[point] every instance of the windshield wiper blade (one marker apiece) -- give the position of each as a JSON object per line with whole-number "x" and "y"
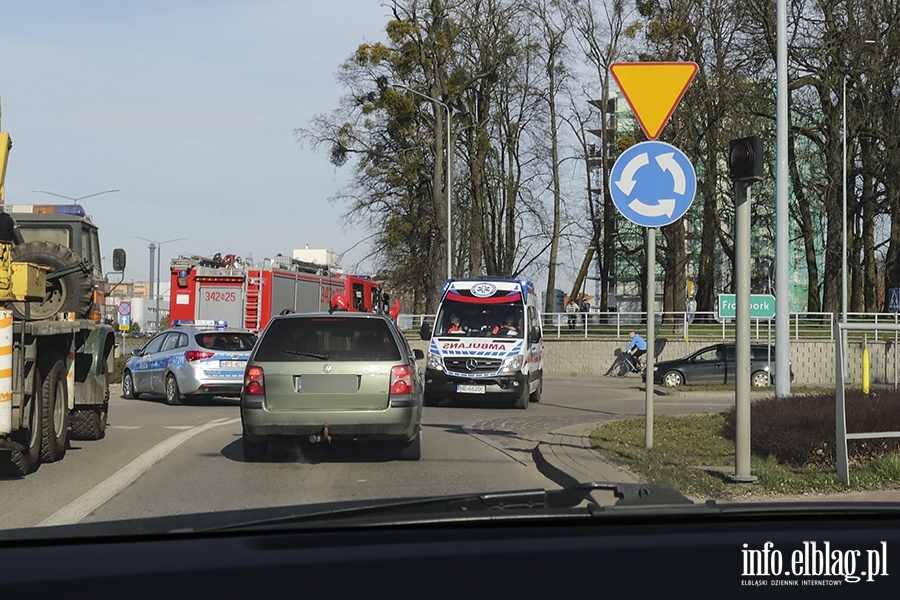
{"x": 571, "y": 501}
{"x": 309, "y": 354}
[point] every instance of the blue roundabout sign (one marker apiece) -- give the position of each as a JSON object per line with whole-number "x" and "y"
{"x": 653, "y": 184}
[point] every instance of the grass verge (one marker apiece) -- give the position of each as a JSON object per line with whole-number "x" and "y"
{"x": 692, "y": 454}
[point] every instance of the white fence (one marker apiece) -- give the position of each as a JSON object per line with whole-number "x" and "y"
{"x": 687, "y": 326}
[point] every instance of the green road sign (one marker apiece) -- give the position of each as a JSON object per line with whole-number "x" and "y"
{"x": 762, "y": 306}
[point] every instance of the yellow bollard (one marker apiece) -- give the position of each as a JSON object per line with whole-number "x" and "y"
{"x": 865, "y": 366}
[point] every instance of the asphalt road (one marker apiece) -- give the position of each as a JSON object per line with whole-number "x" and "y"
{"x": 162, "y": 460}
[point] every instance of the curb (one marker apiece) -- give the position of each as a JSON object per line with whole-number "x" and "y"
{"x": 565, "y": 457}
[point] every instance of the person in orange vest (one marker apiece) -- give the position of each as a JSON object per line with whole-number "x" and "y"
{"x": 455, "y": 325}
{"x": 508, "y": 328}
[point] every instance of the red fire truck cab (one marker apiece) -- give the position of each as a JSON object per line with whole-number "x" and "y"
{"x": 248, "y": 295}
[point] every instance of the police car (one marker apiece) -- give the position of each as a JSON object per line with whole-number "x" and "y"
{"x": 193, "y": 358}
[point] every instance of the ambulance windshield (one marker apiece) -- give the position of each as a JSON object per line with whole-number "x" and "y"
{"x": 471, "y": 319}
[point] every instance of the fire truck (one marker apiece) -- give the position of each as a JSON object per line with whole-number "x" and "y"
{"x": 247, "y": 295}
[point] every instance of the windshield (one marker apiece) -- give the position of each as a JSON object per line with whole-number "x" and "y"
{"x": 320, "y": 176}
{"x": 465, "y": 319}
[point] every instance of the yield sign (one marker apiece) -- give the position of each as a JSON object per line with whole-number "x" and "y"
{"x": 653, "y": 90}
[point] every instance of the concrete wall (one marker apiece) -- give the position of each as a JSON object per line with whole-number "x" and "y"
{"x": 812, "y": 362}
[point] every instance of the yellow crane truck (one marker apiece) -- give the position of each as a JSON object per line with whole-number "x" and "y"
{"x": 55, "y": 352}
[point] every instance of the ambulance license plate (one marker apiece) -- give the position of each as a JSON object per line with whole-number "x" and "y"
{"x": 469, "y": 389}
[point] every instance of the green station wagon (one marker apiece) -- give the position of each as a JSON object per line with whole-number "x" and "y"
{"x": 332, "y": 377}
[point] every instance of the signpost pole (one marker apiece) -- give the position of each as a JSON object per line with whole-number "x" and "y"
{"x": 742, "y": 333}
{"x": 651, "y": 333}
{"x": 652, "y": 184}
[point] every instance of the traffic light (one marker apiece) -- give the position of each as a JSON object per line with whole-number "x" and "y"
{"x": 746, "y": 159}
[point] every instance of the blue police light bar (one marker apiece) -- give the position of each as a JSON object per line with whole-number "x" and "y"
{"x": 221, "y": 323}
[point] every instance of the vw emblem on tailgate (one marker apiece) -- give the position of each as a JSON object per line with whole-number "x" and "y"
{"x": 471, "y": 364}
{"x": 326, "y": 368}
{"x": 483, "y": 290}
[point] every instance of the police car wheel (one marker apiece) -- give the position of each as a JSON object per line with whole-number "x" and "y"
{"x": 173, "y": 396}
{"x": 128, "y": 386}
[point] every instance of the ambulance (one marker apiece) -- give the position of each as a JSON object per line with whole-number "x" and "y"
{"x": 486, "y": 343}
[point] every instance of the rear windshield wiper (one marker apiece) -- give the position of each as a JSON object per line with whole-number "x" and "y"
{"x": 309, "y": 354}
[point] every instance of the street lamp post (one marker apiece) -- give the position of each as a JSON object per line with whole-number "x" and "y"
{"x": 158, "y": 267}
{"x": 74, "y": 200}
{"x": 844, "y": 237}
{"x": 449, "y": 182}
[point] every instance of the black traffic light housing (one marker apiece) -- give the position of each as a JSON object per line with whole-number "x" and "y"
{"x": 745, "y": 161}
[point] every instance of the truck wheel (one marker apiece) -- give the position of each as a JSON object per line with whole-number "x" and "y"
{"x": 90, "y": 423}
{"x": 173, "y": 396}
{"x": 28, "y": 458}
{"x": 73, "y": 292}
{"x": 128, "y": 386}
{"x": 54, "y": 413}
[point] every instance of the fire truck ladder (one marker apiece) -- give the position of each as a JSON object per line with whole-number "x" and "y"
{"x": 253, "y": 294}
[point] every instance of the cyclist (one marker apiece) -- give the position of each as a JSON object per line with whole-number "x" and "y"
{"x": 636, "y": 348}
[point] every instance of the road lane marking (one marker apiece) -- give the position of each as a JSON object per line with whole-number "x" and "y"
{"x": 121, "y": 479}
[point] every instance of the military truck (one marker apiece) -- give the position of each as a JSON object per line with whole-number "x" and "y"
{"x": 55, "y": 352}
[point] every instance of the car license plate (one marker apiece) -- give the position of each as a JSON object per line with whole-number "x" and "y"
{"x": 470, "y": 389}
{"x": 328, "y": 384}
{"x": 233, "y": 363}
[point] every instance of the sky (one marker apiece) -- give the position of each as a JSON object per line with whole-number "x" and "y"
{"x": 188, "y": 108}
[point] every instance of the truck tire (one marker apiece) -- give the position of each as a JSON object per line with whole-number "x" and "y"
{"x": 90, "y": 423}
{"x": 73, "y": 292}
{"x": 54, "y": 412}
{"x": 28, "y": 458}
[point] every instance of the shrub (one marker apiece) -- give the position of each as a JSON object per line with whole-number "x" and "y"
{"x": 799, "y": 430}
{"x": 118, "y": 367}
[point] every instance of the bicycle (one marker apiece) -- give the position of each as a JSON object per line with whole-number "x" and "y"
{"x": 631, "y": 364}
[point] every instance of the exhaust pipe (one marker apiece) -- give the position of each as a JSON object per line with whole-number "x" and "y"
{"x": 322, "y": 436}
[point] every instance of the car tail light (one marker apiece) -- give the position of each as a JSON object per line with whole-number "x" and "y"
{"x": 401, "y": 380}
{"x": 192, "y": 355}
{"x": 254, "y": 382}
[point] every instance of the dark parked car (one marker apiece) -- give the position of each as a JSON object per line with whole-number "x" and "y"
{"x": 346, "y": 376}
{"x": 715, "y": 365}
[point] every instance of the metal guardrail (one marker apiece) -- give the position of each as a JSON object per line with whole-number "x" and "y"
{"x": 686, "y": 325}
